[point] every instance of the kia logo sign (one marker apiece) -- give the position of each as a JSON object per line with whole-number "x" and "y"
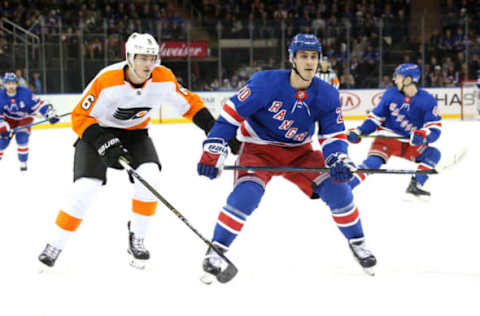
{"x": 349, "y": 100}
{"x": 376, "y": 98}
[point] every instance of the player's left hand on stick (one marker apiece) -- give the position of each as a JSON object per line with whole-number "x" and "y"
{"x": 354, "y": 135}
{"x": 341, "y": 167}
{"x": 51, "y": 115}
{"x": 215, "y": 152}
{"x": 418, "y": 137}
{"x": 110, "y": 150}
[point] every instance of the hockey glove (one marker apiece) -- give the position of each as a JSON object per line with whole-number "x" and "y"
{"x": 234, "y": 145}
{"x": 341, "y": 167}
{"x": 354, "y": 135}
{"x": 215, "y": 152}
{"x": 5, "y": 130}
{"x": 418, "y": 137}
{"x": 51, "y": 115}
{"x": 110, "y": 150}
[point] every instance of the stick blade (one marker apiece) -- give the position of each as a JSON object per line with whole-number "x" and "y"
{"x": 228, "y": 274}
{"x": 453, "y": 160}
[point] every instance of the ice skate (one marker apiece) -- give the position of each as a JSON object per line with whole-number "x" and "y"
{"x": 48, "y": 256}
{"x": 139, "y": 255}
{"x": 414, "y": 192}
{"x": 364, "y": 256}
{"x": 216, "y": 267}
{"x": 23, "y": 166}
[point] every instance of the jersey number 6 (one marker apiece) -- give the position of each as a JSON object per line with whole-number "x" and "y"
{"x": 87, "y": 103}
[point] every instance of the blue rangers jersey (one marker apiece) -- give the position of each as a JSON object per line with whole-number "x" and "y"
{"x": 268, "y": 110}
{"x": 24, "y": 104}
{"x": 400, "y": 115}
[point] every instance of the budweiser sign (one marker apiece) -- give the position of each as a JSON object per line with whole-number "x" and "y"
{"x": 181, "y": 49}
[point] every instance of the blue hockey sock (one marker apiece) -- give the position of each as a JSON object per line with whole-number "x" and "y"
{"x": 243, "y": 200}
{"x": 339, "y": 198}
{"x": 372, "y": 162}
{"x": 427, "y": 160}
{"x": 22, "y": 142}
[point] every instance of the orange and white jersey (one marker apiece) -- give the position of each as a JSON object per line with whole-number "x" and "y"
{"x": 111, "y": 101}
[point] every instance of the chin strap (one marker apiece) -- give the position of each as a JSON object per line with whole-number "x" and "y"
{"x": 298, "y": 73}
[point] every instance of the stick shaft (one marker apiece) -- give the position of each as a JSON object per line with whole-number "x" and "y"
{"x": 36, "y": 123}
{"x": 305, "y": 169}
{"x": 134, "y": 174}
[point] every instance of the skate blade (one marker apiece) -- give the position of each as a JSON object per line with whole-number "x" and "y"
{"x": 412, "y": 198}
{"x": 369, "y": 271}
{"x": 43, "y": 268}
{"x": 208, "y": 279}
{"x": 137, "y": 264}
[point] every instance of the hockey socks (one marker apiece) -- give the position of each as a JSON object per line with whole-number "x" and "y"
{"x": 427, "y": 160}
{"x": 372, "y": 162}
{"x": 243, "y": 200}
{"x": 339, "y": 198}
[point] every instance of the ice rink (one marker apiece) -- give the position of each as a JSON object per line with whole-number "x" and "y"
{"x": 291, "y": 257}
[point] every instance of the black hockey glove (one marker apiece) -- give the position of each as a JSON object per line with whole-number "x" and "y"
{"x": 110, "y": 150}
{"x": 234, "y": 145}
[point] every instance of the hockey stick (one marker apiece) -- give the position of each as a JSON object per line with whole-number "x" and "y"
{"x": 385, "y": 136}
{"x": 306, "y": 169}
{"x": 13, "y": 131}
{"x": 224, "y": 276}
{"x": 453, "y": 160}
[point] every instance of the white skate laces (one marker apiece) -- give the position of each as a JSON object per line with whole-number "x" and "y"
{"x": 216, "y": 261}
{"x": 137, "y": 243}
{"x": 51, "y": 251}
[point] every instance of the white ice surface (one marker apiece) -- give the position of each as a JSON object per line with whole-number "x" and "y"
{"x": 292, "y": 259}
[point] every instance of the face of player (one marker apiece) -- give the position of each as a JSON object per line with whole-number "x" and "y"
{"x": 307, "y": 63}
{"x": 143, "y": 66}
{"x": 11, "y": 88}
{"x": 398, "y": 79}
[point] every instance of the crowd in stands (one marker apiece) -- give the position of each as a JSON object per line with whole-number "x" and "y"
{"x": 348, "y": 29}
{"x": 116, "y": 19}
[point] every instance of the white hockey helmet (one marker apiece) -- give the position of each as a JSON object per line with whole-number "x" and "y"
{"x": 141, "y": 44}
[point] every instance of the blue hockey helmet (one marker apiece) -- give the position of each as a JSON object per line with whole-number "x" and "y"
{"x": 411, "y": 70}
{"x": 304, "y": 42}
{"x": 10, "y": 77}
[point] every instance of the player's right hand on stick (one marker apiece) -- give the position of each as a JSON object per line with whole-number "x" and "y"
{"x": 354, "y": 135}
{"x": 111, "y": 149}
{"x": 215, "y": 152}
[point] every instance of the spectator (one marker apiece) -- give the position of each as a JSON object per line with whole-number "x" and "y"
{"x": 36, "y": 83}
{"x": 347, "y": 81}
{"x": 21, "y": 80}
{"x": 386, "y": 83}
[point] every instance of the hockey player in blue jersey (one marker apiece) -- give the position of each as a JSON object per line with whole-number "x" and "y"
{"x": 403, "y": 111}
{"x": 274, "y": 116}
{"x": 17, "y": 107}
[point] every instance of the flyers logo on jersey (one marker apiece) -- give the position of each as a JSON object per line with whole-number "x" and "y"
{"x": 131, "y": 113}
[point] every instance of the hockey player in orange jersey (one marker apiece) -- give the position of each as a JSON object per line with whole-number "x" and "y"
{"x": 111, "y": 120}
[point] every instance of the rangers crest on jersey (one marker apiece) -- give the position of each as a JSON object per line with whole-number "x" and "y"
{"x": 130, "y": 113}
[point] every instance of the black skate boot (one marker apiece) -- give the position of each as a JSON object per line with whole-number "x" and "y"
{"x": 23, "y": 166}
{"x": 217, "y": 267}
{"x": 415, "y": 192}
{"x": 49, "y": 255}
{"x": 364, "y": 256}
{"x": 137, "y": 250}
